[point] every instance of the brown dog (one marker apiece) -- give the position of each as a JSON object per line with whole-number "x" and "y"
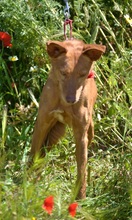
{"x": 68, "y": 97}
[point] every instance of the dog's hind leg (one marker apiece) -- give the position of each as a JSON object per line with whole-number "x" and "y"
{"x": 56, "y": 132}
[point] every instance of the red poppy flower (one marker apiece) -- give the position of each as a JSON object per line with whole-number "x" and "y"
{"x": 48, "y": 204}
{"x": 72, "y": 209}
{"x": 6, "y": 39}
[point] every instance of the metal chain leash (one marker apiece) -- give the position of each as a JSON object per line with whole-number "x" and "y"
{"x": 66, "y": 10}
{"x": 67, "y": 20}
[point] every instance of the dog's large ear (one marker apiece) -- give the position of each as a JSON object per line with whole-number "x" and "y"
{"x": 55, "y": 48}
{"x": 94, "y": 51}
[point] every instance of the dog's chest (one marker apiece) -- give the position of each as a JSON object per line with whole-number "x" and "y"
{"x": 61, "y": 116}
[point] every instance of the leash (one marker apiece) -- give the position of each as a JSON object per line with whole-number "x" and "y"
{"x": 67, "y": 21}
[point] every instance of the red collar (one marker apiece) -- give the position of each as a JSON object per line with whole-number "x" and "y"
{"x": 91, "y": 74}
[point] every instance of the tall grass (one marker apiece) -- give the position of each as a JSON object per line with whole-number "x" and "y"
{"x": 109, "y": 193}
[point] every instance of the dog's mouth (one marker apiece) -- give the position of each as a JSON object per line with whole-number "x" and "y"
{"x": 70, "y": 99}
{"x": 74, "y": 98}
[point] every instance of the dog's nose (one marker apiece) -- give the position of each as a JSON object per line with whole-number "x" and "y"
{"x": 70, "y": 99}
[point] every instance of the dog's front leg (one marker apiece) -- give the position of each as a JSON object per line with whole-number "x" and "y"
{"x": 81, "y": 139}
{"x": 45, "y": 120}
{"x": 42, "y": 126}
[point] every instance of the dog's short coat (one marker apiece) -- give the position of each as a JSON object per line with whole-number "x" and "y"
{"x": 68, "y": 97}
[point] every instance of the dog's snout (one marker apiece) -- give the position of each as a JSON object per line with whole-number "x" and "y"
{"x": 71, "y": 99}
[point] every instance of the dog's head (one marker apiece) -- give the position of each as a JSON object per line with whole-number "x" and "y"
{"x": 71, "y": 63}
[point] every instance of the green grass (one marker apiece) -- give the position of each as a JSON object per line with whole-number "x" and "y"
{"x": 22, "y": 189}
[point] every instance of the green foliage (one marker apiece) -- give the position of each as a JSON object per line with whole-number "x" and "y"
{"x": 31, "y": 24}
